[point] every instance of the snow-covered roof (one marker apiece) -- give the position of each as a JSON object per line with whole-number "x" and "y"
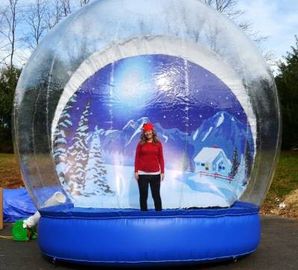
{"x": 208, "y": 154}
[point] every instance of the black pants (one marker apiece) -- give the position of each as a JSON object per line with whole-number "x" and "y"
{"x": 154, "y": 181}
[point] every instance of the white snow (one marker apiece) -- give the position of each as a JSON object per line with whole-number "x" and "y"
{"x": 220, "y": 120}
{"x": 207, "y": 134}
{"x": 78, "y": 152}
{"x": 130, "y": 123}
{"x": 107, "y": 132}
{"x": 175, "y": 192}
{"x": 166, "y": 137}
{"x": 60, "y": 168}
{"x": 60, "y": 141}
{"x": 195, "y": 134}
{"x": 137, "y": 131}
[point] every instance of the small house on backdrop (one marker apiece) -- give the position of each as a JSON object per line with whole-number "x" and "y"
{"x": 212, "y": 160}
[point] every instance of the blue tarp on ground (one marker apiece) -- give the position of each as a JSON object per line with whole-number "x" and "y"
{"x": 17, "y": 204}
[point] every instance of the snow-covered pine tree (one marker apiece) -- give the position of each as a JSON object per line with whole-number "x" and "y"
{"x": 240, "y": 177}
{"x": 60, "y": 142}
{"x": 248, "y": 159}
{"x": 78, "y": 155}
{"x": 235, "y": 163}
{"x": 95, "y": 180}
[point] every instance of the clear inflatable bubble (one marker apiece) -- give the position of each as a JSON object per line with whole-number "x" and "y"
{"x": 106, "y": 70}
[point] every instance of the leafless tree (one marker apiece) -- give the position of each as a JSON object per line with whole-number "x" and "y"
{"x": 65, "y": 7}
{"x": 36, "y": 21}
{"x": 56, "y": 10}
{"x": 53, "y": 14}
{"x": 230, "y": 9}
{"x": 84, "y": 2}
{"x": 8, "y": 25}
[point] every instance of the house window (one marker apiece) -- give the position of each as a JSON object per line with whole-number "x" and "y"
{"x": 221, "y": 167}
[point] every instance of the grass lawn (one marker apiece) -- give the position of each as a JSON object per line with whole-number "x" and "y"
{"x": 284, "y": 183}
{"x": 10, "y": 176}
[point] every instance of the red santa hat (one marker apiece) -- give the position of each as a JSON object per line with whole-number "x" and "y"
{"x": 148, "y": 127}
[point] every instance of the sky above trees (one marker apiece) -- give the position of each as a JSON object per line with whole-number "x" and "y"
{"x": 275, "y": 22}
{"x": 275, "y": 19}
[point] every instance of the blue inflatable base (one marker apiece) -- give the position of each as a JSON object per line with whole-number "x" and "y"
{"x": 132, "y": 237}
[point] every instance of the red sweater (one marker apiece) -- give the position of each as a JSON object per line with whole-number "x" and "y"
{"x": 149, "y": 157}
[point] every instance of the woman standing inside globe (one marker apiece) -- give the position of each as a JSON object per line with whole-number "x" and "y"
{"x": 149, "y": 166}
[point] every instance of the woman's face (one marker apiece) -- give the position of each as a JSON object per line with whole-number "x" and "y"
{"x": 148, "y": 134}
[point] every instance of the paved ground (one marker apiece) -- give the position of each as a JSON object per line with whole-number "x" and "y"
{"x": 278, "y": 251}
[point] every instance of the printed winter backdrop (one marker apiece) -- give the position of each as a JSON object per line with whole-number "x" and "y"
{"x": 207, "y": 139}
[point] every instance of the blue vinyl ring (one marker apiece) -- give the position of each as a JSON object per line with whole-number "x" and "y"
{"x": 128, "y": 236}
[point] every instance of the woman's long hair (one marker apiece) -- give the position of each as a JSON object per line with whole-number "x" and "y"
{"x": 143, "y": 137}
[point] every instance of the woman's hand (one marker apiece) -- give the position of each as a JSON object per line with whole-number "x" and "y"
{"x": 162, "y": 176}
{"x": 136, "y": 176}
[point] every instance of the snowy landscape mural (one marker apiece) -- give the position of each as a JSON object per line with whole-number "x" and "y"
{"x": 207, "y": 139}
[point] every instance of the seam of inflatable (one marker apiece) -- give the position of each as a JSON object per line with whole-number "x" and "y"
{"x": 146, "y": 217}
{"x": 153, "y": 261}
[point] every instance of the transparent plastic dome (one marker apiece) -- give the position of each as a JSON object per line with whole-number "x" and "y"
{"x": 114, "y": 65}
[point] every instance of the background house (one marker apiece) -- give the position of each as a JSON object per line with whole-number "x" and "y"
{"x": 212, "y": 160}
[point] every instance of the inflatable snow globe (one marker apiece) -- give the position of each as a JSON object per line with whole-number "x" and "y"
{"x": 80, "y": 106}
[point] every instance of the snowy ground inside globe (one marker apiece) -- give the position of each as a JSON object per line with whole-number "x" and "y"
{"x": 178, "y": 190}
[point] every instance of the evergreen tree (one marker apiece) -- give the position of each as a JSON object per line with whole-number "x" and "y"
{"x": 8, "y": 82}
{"x": 287, "y": 85}
{"x": 248, "y": 160}
{"x": 78, "y": 155}
{"x": 235, "y": 163}
{"x": 95, "y": 181}
{"x": 240, "y": 175}
{"x": 60, "y": 141}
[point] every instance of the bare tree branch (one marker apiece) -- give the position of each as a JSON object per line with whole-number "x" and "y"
{"x": 65, "y": 6}
{"x": 83, "y": 2}
{"x": 56, "y": 10}
{"x": 4, "y": 46}
{"x": 230, "y": 9}
{"x": 36, "y": 22}
{"x": 4, "y": 58}
{"x": 9, "y": 20}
